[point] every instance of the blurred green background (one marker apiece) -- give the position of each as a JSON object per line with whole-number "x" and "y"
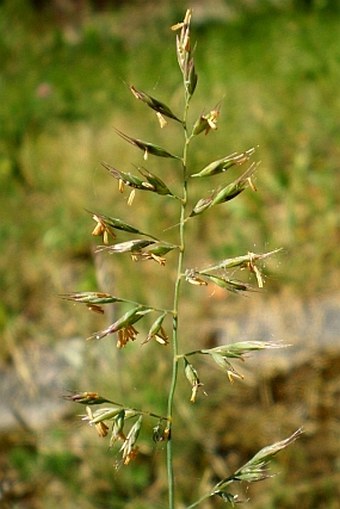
{"x": 65, "y": 65}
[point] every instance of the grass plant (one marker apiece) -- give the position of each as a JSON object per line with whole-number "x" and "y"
{"x": 118, "y": 420}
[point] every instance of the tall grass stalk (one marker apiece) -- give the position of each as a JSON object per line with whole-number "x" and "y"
{"x": 176, "y": 306}
{"x": 118, "y": 420}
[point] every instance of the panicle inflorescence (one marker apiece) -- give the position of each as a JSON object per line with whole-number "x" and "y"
{"x": 118, "y": 420}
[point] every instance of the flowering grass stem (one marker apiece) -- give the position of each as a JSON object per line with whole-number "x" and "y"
{"x": 125, "y": 422}
{"x": 176, "y": 305}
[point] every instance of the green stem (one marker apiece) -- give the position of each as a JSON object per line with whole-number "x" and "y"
{"x": 175, "y": 346}
{"x": 195, "y": 504}
{"x": 137, "y": 410}
{"x": 193, "y": 352}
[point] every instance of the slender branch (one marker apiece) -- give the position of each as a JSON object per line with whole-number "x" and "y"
{"x": 100, "y": 298}
{"x": 138, "y": 411}
{"x": 195, "y": 504}
{"x": 193, "y": 352}
{"x": 93, "y": 398}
